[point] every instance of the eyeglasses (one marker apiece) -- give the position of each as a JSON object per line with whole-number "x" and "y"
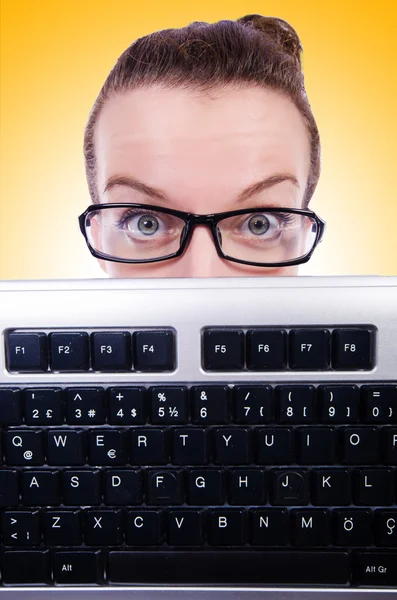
{"x": 143, "y": 233}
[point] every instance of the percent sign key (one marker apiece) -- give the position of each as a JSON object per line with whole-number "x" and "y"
{"x": 169, "y": 405}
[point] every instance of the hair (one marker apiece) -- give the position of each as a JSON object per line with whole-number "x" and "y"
{"x": 253, "y": 50}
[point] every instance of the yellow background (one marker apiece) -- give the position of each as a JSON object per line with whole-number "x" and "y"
{"x": 56, "y": 54}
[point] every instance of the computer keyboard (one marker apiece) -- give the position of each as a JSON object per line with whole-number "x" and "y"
{"x": 199, "y": 437}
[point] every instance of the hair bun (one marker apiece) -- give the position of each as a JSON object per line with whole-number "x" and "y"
{"x": 281, "y": 32}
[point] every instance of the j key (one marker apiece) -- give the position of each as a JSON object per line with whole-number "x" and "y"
{"x": 253, "y": 404}
{"x": 389, "y": 439}
{"x": 107, "y": 447}
{"x": 352, "y": 527}
{"x": 211, "y": 405}
{"x": 185, "y": 527}
{"x": 296, "y": 403}
{"x": 81, "y": 488}
{"x": 66, "y": 447}
{"x": 379, "y": 404}
{"x": 226, "y": 527}
{"x": 41, "y": 488}
{"x": 10, "y": 406}
{"x": 85, "y": 406}
{"x": 316, "y": 446}
{"x": 247, "y": 487}
{"x": 102, "y": 528}
{"x": 331, "y": 487}
{"x": 311, "y": 527}
{"x": 232, "y": 446}
{"x": 127, "y": 406}
{"x": 78, "y": 567}
{"x": 205, "y": 487}
{"x": 62, "y": 528}
{"x": 148, "y": 447}
{"x": 274, "y": 446}
{"x": 361, "y": 446}
{"x": 144, "y": 527}
{"x": 24, "y": 447}
{"x": 386, "y": 527}
{"x": 21, "y": 528}
{"x": 8, "y": 488}
{"x": 339, "y": 403}
{"x": 189, "y": 446}
{"x": 269, "y": 527}
{"x": 26, "y": 567}
{"x": 169, "y": 405}
{"x": 373, "y": 487}
{"x": 123, "y": 487}
{"x": 43, "y": 406}
{"x": 289, "y": 487}
{"x": 309, "y": 348}
{"x": 164, "y": 487}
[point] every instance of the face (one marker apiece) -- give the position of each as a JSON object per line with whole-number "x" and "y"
{"x": 198, "y": 154}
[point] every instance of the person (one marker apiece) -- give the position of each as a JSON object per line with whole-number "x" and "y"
{"x": 202, "y": 155}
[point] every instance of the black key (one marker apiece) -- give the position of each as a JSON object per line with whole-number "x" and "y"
{"x": 269, "y": 527}
{"x": 361, "y": 446}
{"x": 289, "y": 487}
{"x": 232, "y": 446}
{"x": 26, "y": 567}
{"x": 253, "y": 404}
{"x": 111, "y": 351}
{"x": 316, "y": 446}
{"x": 62, "y": 528}
{"x": 210, "y": 405}
{"x": 169, "y": 405}
{"x": 223, "y": 350}
{"x": 127, "y": 406}
{"x": 102, "y": 528}
{"x": 107, "y": 447}
{"x": 309, "y": 349}
{"x": 10, "y": 406}
{"x": 247, "y": 487}
{"x": 229, "y": 567}
{"x": 296, "y": 403}
{"x": 24, "y": 447}
{"x": 26, "y": 352}
{"x": 379, "y": 404}
{"x": 66, "y": 447}
{"x": 69, "y": 351}
{"x": 352, "y": 527}
{"x": 266, "y": 349}
{"x": 205, "y": 487}
{"x": 81, "y": 488}
{"x": 78, "y": 567}
{"x": 375, "y": 569}
{"x": 386, "y": 528}
{"x": 189, "y": 446}
{"x": 389, "y": 442}
{"x": 41, "y": 488}
{"x": 311, "y": 527}
{"x": 21, "y": 528}
{"x": 331, "y": 487}
{"x": 123, "y": 487}
{"x": 154, "y": 350}
{"x": 43, "y": 406}
{"x": 352, "y": 348}
{"x": 226, "y": 527}
{"x": 148, "y": 447}
{"x": 185, "y": 527}
{"x": 8, "y": 488}
{"x": 274, "y": 446}
{"x": 164, "y": 487}
{"x": 85, "y": 406}
{"x": 373, "y": 487}
{"x": 144, "y": 527}
{"x": 339, "y": 403}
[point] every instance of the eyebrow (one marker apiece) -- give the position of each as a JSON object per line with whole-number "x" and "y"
{"x": 153, "y": 192}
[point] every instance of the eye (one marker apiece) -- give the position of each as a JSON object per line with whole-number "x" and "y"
{"x": 138, "y": 221}
{"x": 259, "y": 224}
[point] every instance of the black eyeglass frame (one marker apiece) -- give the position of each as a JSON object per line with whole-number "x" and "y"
{"x": 192, "y": 220}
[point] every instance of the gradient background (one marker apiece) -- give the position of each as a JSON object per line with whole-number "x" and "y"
{"x": 56, "y": 54}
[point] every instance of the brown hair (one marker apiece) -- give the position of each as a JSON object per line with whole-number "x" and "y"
{"x": 253, "y": 50}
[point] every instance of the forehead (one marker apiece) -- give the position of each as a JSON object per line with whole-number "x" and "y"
{"x": 226, "y": 139}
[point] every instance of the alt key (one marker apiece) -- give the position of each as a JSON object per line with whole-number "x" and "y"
{"x": 78, "y": 567}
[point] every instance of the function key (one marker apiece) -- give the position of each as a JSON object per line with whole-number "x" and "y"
{"x": 26, "y": 352}
{"x": 111, "y": 351}
{"x": 352, "y": 348}
{"x": 267, "y": 349}
{"x": 10, "y": 406}
{"x": 69, "y": 351}
{"x": 154, "y": 350}
{"x": 309, "y": 349}
{"x": 339, "y": 403}
{"x": 379, "y": 404}
{"x": 223, "y": 350}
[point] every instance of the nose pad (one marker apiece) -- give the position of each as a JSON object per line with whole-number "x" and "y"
{"x": 200, "y": 257}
